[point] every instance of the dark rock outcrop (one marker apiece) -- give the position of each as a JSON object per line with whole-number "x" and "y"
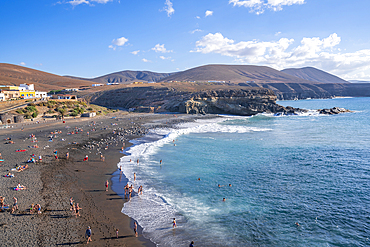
{"x": 244, "y": 102}
{"x": 333, "y": 111}
{"x": 297, "y": 91}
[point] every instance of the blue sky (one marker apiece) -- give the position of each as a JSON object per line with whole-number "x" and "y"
{"x": 90, "y": 38}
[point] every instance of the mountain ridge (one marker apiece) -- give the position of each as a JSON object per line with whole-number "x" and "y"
{"x": 313, "y": 74}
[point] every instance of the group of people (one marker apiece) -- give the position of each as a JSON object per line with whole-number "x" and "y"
{"x": 35, "y": 208}
{"x": 75, "y": 208}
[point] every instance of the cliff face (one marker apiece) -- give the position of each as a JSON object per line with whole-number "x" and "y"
{"x": 291, "y": 91}
{"x": 244, "y": 102}
{"x": 235, "y": 102}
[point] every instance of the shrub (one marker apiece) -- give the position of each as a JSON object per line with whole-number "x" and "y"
{"x": 74, "y": 113}
{"x": 31, "y": 108}
{"x": 34, "y": 115}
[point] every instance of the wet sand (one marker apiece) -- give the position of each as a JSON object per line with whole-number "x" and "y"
{"x": 53, "y": 181}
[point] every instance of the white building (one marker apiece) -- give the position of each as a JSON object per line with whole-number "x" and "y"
{"x": 2, "y": 97}
{"x": 39, "y": 94}
{"x": 26, "y": 87}
{"x": 97, "y": 85}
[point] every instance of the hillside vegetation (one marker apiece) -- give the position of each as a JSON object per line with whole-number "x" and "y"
{"x": 56, "y": 109}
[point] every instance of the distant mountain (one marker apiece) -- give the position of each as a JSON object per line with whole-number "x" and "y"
{"x": 358, "y": 81}
{"x": 11, "y": 74}
{"x": 234, "y": 73}
{"x": 128, "y": 76}
{"x": 315, "y": 75}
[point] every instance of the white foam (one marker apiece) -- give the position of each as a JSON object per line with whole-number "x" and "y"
{"x": 155, "y": 209}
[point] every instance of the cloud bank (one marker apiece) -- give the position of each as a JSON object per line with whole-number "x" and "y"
{"x": 315, "y": 52}
{"x": 259, "y": 6}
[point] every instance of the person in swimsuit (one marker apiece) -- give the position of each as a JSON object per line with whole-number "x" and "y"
{"x": 134, "y": 176}
{"x": 77, "y": 210}
{"x": 71, "y": 203}
{"x": 106, "y": 185}
{"x": 174, "y": 223}
{"x": 135, "y": 228}
{"x": 15, "y": 205}
{"x": 191, "y": 244}
{"x": 116, "y": 232}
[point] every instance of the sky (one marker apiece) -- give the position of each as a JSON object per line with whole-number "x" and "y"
{"x": 91, "y": 38}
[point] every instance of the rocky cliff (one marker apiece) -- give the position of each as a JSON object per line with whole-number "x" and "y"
{"x": 292, "y": 91}
{"x": 237, "y": 101}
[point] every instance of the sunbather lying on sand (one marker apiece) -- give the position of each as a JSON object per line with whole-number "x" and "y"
{"x": 20, "y": 187}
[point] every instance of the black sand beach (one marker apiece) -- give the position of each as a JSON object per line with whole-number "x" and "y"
{"x": 52, "y": 182}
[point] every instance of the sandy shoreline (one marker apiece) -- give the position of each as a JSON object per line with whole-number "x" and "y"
{"x": 52, "y": 182}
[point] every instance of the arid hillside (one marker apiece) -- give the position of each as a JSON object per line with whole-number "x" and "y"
{"x": 14, "y": 75}
{"x": 315, "y": 75}
{"x": 234, "y": 74}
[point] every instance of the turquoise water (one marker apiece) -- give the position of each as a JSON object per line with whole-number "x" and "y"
{"x": 311, "y": 169}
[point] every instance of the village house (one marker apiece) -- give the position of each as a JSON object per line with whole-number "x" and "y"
{"x": 64, "y": 96}
{"x": 24, "y": 91}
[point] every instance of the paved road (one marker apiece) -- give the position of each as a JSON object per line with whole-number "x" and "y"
{"x": 12, "y": 108}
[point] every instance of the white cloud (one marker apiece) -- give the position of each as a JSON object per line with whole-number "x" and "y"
{"x": 259, "y": 6}
{"x": 78, "y": 2}
{"x": 169, "y": 8}
{"x": 316, "y": 52}
{"x": 118, "y": 42}
{"x": 277, "y": 33}
{"x": 22, "y": 63}
{"x": 145, "y": 60}
{"x": 165, "y": 58}
{"x": 135, "y": 52}
{"x": 197, "y": 17}
{"x": 196, "y": 30}
{"x": 160, "y": 48}
{"x": 209, "y": 13}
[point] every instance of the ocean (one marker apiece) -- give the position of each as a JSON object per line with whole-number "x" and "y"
{"x": 273, "y": 171}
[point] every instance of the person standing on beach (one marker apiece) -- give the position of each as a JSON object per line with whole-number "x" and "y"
{"x": 2, "y": 204}
{"x": 67, "y": 155}
{"x": 137, "y": 161}
{"x": 134, "y": 176}
{"x": 135, "y": 228}
{"x": 15, "y": 205}
{"x": 77, "y": 210}
{"x": 106, "y": 185}
{"x": 88, "y": 235}
{"x": 71, "y": 203}
{"x": 191, "y": 244}
{"x": 116, "y": 232}
{"x": 174, "y": 223}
